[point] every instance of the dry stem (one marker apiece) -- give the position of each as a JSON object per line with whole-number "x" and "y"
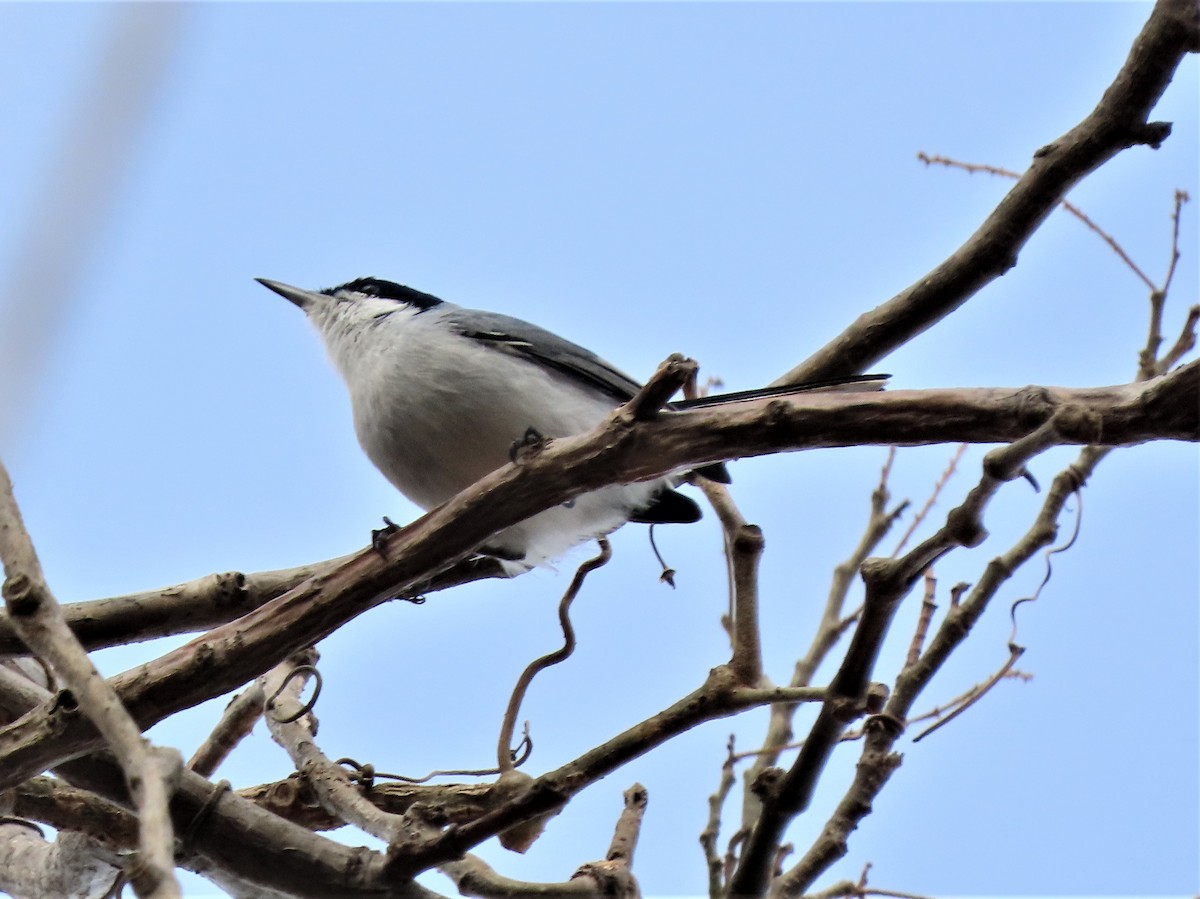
{"x": 504, "y": 751}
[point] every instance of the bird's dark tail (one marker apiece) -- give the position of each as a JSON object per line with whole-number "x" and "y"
{"x": 850, "y": 383}
{"x": 717, "y": 471}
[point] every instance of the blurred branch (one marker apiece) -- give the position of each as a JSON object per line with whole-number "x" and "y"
{"x": 938, "y": 486}
{"x": 928, "y": 607}
{"x": 1181, "y": 197}
{"x": 68, "y": 865}
{"x": 81, "y": 186}
{"x": 1015, "y": 653}
{"x": 712, "y": 829}
{"x": 227, "y": 837}
{"x": 608, "y": 878}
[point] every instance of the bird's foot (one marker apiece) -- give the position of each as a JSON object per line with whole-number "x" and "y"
{"x": 379, "y": 535}
{"x": 529, "y": 444}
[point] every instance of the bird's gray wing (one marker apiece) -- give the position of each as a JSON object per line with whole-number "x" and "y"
{"x": 511, "y": 335}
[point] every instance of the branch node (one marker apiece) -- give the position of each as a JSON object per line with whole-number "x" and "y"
{"x": 889, "y": 724}
{"x": 749, "y": 539}
{"x": 1151, "y": 134}
{"x": 675, "y": 371}
{"x": 766, "y": 784}
{"x": 883, "y": 575}
{"x": 22, "y": 598}
{"x": 1079, "y": 424}
{"x": 876, "y": 698}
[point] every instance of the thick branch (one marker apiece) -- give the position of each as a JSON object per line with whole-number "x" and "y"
{"x": 209, "y": 601}
{"x": 39, "y": 622}
{"x": 31, "y": 865}
{"x": 719, "y": 697}
{"x": 224, "y": 835}
{"x": 1119, "y": 121}
{"x": 618, "y": 451}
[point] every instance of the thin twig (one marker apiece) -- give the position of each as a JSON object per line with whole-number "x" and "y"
{"x": 1048, "y": 555}
{"x": 712, "y": 829}
{"x": 928, "y": 607}
{"x": 878, "y": 760}
{"x": 1065, "y": 203}
{"x": 941, "y": 482}
{"x": 1149, "y": 365}
{"x": 1015, "y": 652}
{"x": 520, "y": 756}
{"x": 830, "y": 629}
{"x": 1184, "y": 344}
{"x": 968, "y": 695}
{"x": 1181, "y": 197}
{"x": 504, "y": 752}
{"x": 887, "y": 581}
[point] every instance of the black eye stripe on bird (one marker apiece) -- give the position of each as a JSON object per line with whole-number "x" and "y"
{"x": 440, "y": 394}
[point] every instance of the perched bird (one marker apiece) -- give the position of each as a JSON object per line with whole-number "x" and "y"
{"x": 441, "y": 393}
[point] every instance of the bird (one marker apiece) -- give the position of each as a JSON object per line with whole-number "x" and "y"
{"x": 441, "y": 394}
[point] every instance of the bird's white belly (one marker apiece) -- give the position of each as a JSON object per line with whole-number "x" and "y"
{"x": 437, "y": 442}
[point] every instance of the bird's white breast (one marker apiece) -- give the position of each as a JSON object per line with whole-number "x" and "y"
{"x": 435, "y": 411}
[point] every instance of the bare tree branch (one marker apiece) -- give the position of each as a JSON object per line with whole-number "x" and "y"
{"x": 712, "y": 829}
{"x": 262, "y": 854}
{"x": 504, "y": 750}
{"x": 1067, "y": 205}
{"x": 718, "y": 697}
{"x": 618, "y": 451}
{"x": 878, "y": 761}
{"x": 610, "y": 877}
{"x": 1119, "y": 121}
{"x": 226, "y": 836}
{"x": 212, "y": 600}
{"x": 887, "y": 581}
{"x": 32, "y": 867}
{"x": 151, "y": 771}
{"x": 743, "y": 548}
{"x": 832, "y": 626}
{"x": 235, "y": 725}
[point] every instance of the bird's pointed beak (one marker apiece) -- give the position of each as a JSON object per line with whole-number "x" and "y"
{"x": 299, "y": 296}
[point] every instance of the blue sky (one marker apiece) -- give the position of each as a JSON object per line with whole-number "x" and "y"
{"x": 735, "y": 182}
